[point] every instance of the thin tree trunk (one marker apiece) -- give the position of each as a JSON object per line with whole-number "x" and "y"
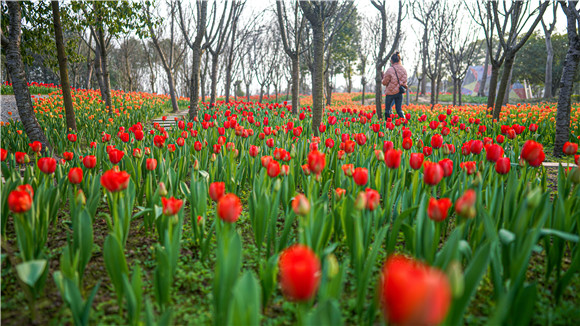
{"x": 549, "y": 61}
{"x": 99, "y": 72}
{"x": 424, "y": 64}
{"x": 363, "y": 93}
{"x": 11, "y": 44}
{"x": 492, "y": 86}
{"x": 508, "y": 89}
{"x": 248, "y": 92}
{"x": 295, "y": 84}
{"x": 318, "y": 78}
{"x": 171, "y": 82}
{"x": 565, "y": 96}
{"x": 63, "y": 68}
{"x": 214, "y": 77}
{"x": 459, "y": 93}
{"x": 194, "y": 91}
{"x": 378, "y": 91}
{"x": 481, "y": 91}
{"x": 105, "y": 69}
{"x": 261, "y": 94}
{"x": 230, "y": 61}
{"x": 509, "y": 62}
{"x": 454, "y": 91}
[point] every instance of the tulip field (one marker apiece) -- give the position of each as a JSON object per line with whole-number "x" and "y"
{"x": 243, "y": 216}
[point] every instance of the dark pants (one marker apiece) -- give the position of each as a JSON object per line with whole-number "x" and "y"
{"x": 398, "y": 99}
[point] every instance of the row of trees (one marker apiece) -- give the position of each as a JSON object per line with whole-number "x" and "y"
{"x": 190, "y": 48}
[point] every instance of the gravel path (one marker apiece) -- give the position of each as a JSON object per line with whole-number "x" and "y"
{"x": 8, "y": 105}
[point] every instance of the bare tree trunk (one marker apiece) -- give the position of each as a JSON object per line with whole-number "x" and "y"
{"x": 105, "y": 69}
{"x": 99, "y": 72}
{"x": 195, "y": 81}
{"x": 549, "y": 61}
{"x": 363, "y": 85}
{"x": 508, "y": 89}
{"x": 295, "y": 84}
{"x": 261, "y": 94}
{"x": 63, "y": 68}
{"x": 318, "y": 78}
{"x": 171, "y": 82}
{"x": 460, "y": 94}
{"x": 11, "y": 44}
{"x": 214, "y": 77}
{"x": 424, "y": 64}
{"x": 481, "y": 91}
{"x": 509, "y": 62}
{"x": 230, "y": 61}
{"x": 378, "y": 91}
{"x": 248, "y": 92}
{"x": 492, "y": 86}
{"x": 454, "y": 91}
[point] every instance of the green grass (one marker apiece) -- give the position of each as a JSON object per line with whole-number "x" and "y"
{"x": 34, "y": 90}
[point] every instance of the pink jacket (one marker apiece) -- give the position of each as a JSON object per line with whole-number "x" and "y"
{"x": 390, "y": 79}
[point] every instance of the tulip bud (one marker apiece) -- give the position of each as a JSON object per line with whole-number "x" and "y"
{"x": 293, "y": 151}
{"x": 333, "y": 267}
{"x": 575, "y": 175}
{"x": 361, "y": 201}
{"x": 534, "y": 197}
{"x": 80, "y": 197}
{"x": 456, "y": 279}
{"x": 301, "y": 205}
{"x": 478, "y": 179}
{"x": 162, "y": 189}
{"x": 522, "y": 163}
{"x": 213, "y": 157}
{"x": 196, "y": 165}
{"x": 277, "y": 185}
{"x": 379, "y": 155}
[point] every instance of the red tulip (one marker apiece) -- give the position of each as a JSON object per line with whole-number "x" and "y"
{"x": 438, "y": 208}
{"x": 316, "y": 161}
{"x": 339, "y": 193}
{"x": 36, "y": 146}
{"x": 273, "y": 169}
{"x": 301, "y": 205}
{"x": 493, "y": 152}
{"x": 476, "y": 147}
{"x": 570, "y": 148}
{"x": 372, "y": 199}
{"x": 469, "y": 167}
{"x": 3, "y": 154}
{"x": 137, "y": 153}
{"x": 151, "y": 164}
{"x": 465, "y": 205}
{"x": 436, "y": 141}
{"x": 503, "y": 165}
{"x": 75, "y": 175}
{"x": 447, "y": 166}
{"x": 433, "y": 173}
{"x": 68, "y": 156}
{"x": 533, "y": 153}
{"x": 387, "y": 144}
{"x": 229, "y": 208}
{"x": 115, "y": 155}
{"x": 329, "y": 143}
{"x": 407, "y": 143}
{"x": 576, "y": 159}
{"x": 499, "y": 139}
{"x": 416, "y": 160}
{"x": 360, "y": 176}
{"x": 27, "y": 188}
{"x": 158, "y": 141}
{"x": 393, "y": 158}
{"x": 217, "y": 190}
{"x": 90, "y": 161}
{"x": 197, "y": 146}
{"x": 115, "y": 181}
{"x": 72, "y": 138}
{"x": 412, "y": 293}
{"x": 427, "y": 151}
{"x": 171, "y": 206}
{"x": 19, "y": 201}
{"x": 299, "y": 273}
{"x": 47, "y": 165}
{"x": 254, "y": 150}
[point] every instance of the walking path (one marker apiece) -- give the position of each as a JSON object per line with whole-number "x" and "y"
{"x": 8, "y": 106}
{"x": 170, "y": 121}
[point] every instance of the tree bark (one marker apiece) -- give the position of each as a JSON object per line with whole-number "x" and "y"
{"x": 295, "y": 84}
{"x": 460, "y": 95}
{"x": 230, "y": 61}
{"x": 379, "y": 90}
{"x": 424, "y": 63}
{"x": 99, "y": 72}
{"x": 214, "y": 77}
{"x": 492, "y": 86}
{"x": 195, "y": 81}
{"x": 481, "y": 91}
{"x": 172, "y": 94}
{"x": 508, "y": 89}
{"x": 63, "y": 68}
{"x": 11, "y": 44}
{"x": 318, "y": 76}
{"x": 248, "y": 92}
{"x": 569, "y": 70}
{"x": 454, "y": 91}
{"x": 508, "y": 64}
{"x": 549, "y": 61}
{"x": 105, "y": 69}
{"x": 363, "y": 84}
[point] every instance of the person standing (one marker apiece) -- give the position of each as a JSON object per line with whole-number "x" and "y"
{"x": 395, "y": 78}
